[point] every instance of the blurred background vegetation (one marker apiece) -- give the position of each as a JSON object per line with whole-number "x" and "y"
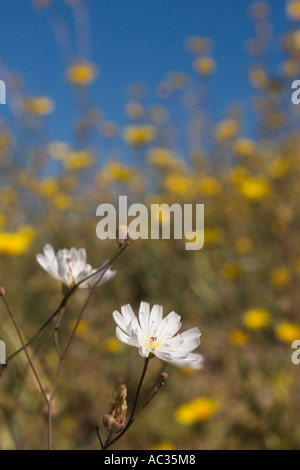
{"x": 241, "y": 289}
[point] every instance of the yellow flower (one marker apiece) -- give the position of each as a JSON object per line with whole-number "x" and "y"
{"x": 81, "y": 74}
{"x": 79, "y": 160}
{"x": 287, "y": 332}
{"x": 62, "y": 201}
{"x": 82, "y": 328}
{"x": 293, "y": 10}
{"x": 138, "y": 136}
{"x": 134, "y": 110}
{"x": 231, "y": 272}
{"x": 2, "y": 221}
{"x": 256, "y": 319}
{"x": 258, "y": 77}
{"x": 198, "y": 45}
{"x": 255, "y": 189}
{"x": 205, "y": 66}
{"x": 164, "y": 445}
{"x": 290, "y": 68}
{"x": 38, "y": 106}
{"x": 227, "y": 130}
{"x": 242, "y": 245}
{"x": 244, "y": 147}
{"x": 58, "y": 150}
{"x": 178, "y": 184}
{"x": 112, "y": 345}
{"x": 16, "y": 243}
{"x": 238, "y": 338}
{"x": 196, "y": 411}
{"x": 212, "y": 236}
{"x": 278, "y": 168}
{"x": 5, "y": 143}
{"x": 115, "y": 171}
{"x": 209, "y": 185}
{"x": 163, "y": 158}
{"x": 48, "y": 187}
{"x": 280, "y": 277}
{"x": 237, "y": 175}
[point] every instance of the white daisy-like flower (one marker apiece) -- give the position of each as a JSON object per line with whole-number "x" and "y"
{"x": 153, "y": 334}
{"x": 70, "y": 267}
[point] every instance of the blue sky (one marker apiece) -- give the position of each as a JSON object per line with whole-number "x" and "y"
{"x": 132, "y": 41}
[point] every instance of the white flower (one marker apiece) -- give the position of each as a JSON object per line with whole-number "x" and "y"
{"x": 153, "y": 334}
{"x": 70, "y": 267}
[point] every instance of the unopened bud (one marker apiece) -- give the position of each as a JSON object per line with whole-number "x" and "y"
{"x": 2, "y": 291}
{"x": 115, "y": 421}
{"x": 112, "y": 424}
{"x": 163, "y": 376}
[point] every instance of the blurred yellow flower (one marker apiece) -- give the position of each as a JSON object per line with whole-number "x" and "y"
{"x": 242, "y": 245}
{"x": 138, "y": 136}
{"x": 164, "y": 445}
{"x": 238, "y": 338}
{"x": 39, "y": 106}
{"x": 287, "y": 332}
{"x": 48, "y": 187}
{"x": 237, "y": 175}
{"x": 256, "y": 319}
{"x": 278, "y": 168}
{"x": 258, "y": 77}
{"x": 16, "y": 243}
{"x": 82, "y": 73}
{"x": 196, "y": 411}
{"x": 204, "y": 66}
{"x": 293, "y": 9}
{"x": 116, "y": 171}
{"x": 209, "y": 185}
{"x": 58, "y": 150}
{"x": 280, "y": 277}
{"x": 198, "y": 45}
{"x": 62, "y": 202}
{"x": 163, "y": 157}
{"x": 112, "y": 345}
{"x": 227, "y": 130}
{"x": 255, "y": 189}
{"x": 7, "y": 195}
{"x": 177, "y": 80}
{"x": 5, "y": 143}
{"x": 231, "y": 272}
{"x": 290, "y": 67}
{"x": 79, "y": 160}
{"x": 178, "y": 184}
{"x": 244, "y": 147}
{"x": 2, "y": 221}
{"x": 82, "y": 328}
{"x": 134, "y": 110}
{"x": 212, "y": 236}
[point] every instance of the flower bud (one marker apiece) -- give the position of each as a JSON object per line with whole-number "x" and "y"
{"x": 115, "y": 421}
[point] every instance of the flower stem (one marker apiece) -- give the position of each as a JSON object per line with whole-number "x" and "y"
{"x": 131, "y": 418}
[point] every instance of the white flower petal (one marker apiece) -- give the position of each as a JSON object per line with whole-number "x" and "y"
{"x": 144, "y": 314}
{"x": 155, "y": 316}
{"x": 121, "y": 322}
{"x": 122, "y": 337}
